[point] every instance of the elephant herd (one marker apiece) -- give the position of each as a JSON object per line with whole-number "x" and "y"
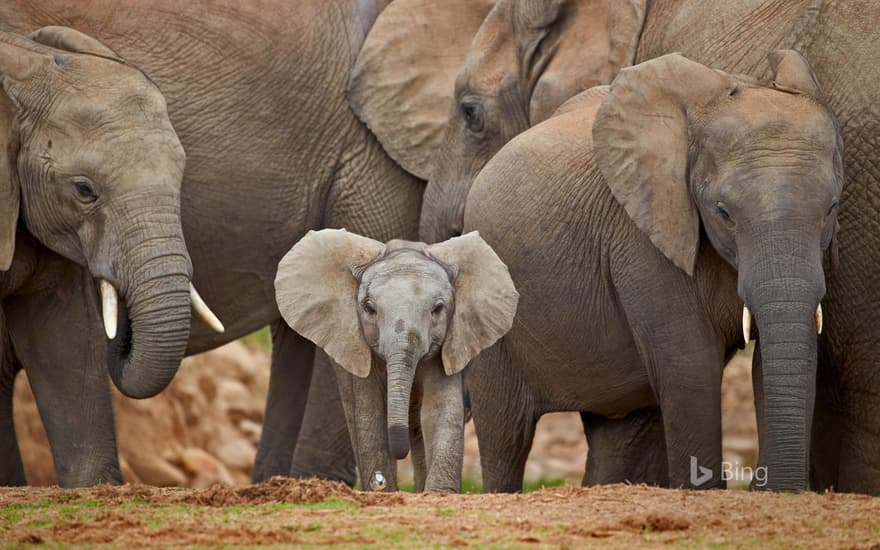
{"x": 548, "y": 205}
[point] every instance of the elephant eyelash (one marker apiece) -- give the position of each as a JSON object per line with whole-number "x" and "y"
{"x": 833, "y": 207}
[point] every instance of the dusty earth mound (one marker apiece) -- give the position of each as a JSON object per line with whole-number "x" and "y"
{"x": 205, "y": 427}
{"x": 285, "y": 512}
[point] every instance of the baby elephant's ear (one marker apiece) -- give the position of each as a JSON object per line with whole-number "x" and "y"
{"x": 316, "y": 291}
{"x": 792, "y": 73}
{"x": 485, "y": 298}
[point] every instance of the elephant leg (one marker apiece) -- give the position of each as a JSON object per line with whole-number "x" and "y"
{"x": 687, "y": 383}
{"x": 365, "y": 411}
{"x": 417, "y": 436}
{"x": 442, "y": 413}
{"x": 630, "y": 449}
{"x": 64, "y": 355}
{"x": 684, "y": 360}
{"x": 323, "y": 448}
{"x": 845, "y": 444}
{"x": 289, "y": 380}
{"x": 11, "y": 468}
{"x": 504, "y": 417}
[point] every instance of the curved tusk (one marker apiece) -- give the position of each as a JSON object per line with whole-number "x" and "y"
{"x": 203, "y": 311}
{"x": 109, "y": 307}
{"x": 819, "y": 319}
{"x": 747, "y": 325}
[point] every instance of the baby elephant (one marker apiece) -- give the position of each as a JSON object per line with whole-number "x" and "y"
{"x": 403, "y": 316}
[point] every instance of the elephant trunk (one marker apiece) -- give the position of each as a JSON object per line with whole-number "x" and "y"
{"x": 401, "y": 365}
{"x": 783, "y": 291}
{"x": 442, "y": 211}
{"x": 154, "y": 318}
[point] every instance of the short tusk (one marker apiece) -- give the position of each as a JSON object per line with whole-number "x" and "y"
{"x": 204, "y": 312}
{"x": 109, "y": 307}
{"x": 819, "y": 319}
{"x": 747, "y": 325}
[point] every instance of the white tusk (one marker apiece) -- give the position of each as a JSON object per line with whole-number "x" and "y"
{"x": 204, "y": 312}
{"x": 109, "y": 307}
{"x": 747, "y": 324}
{"x": 819, "y": 319}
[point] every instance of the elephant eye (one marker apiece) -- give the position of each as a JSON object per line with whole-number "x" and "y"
{"x": 438, "y": 309}
{"x": 723, "y": 211}
{"x": 369, "y": 308}
{"x": 472, "y": 113}
{"x": 833, "y": 207}
{"x": 85, "y": 190}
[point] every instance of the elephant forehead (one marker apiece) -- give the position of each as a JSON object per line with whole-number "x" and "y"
{"x": 760, "y": 114}
{"x": 406, "y": 272}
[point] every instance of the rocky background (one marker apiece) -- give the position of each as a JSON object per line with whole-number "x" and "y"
{"x": 205, "y": 427}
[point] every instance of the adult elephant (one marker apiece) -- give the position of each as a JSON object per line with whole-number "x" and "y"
{"x": 86, "y": 139}
{"x": 729, "y": 194}
{"x": 256, "y": 92}
{"x": 526, "y": 58}
{"x": 839, "y": 39}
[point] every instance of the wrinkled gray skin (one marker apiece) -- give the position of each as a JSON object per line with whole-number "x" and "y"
{"x": 400, "y": 322}
{"x": 403, "y": 320}
{"x": 763, "y": 180}
{"x": 256, "y": 95}
{"x": 838, "y": 38}
{"x": 86, "y": 139}
{"x": 527, "y": 58}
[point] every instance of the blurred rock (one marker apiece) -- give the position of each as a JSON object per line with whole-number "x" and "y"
{"x": 202, "y": 429}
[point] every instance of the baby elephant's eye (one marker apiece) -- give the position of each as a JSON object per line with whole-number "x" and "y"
{"x": 369, "y": 308}
{"x": 438, "y": 309}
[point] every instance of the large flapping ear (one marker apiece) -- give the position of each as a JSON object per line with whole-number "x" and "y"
{"x": 19, "y": 62}
{"x": 485, "y": 298}
{"x": 316, "y": 291}
{"x": 9, "y": 192}
{"x": 404, "y": 78}
{"x": 792, "y": 73}
{"x": 65, "y": 38}
{"x": 640, "y": 140}
{"x": 597, "y": 38}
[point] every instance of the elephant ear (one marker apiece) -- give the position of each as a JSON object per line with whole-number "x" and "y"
{"x": 640, "y": 141}
{"x": 485, "y": 298}
{"x": 316, "y": 291}
{"x": 595, "y": 39}
{"x": 67, "y": 39}
{"x": 792, "y": 73}
{"x": 404, "y": 77}
{"x": 19, "y": 62}
{"x": 9, "y": 192}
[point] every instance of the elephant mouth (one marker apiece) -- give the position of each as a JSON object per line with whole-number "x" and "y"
{"x": 120, "y": 347}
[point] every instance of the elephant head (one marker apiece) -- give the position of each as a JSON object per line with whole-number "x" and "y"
{"x": 402, "y": 303}
{"x": 690, "y": 151}
{"x": 93, "y": 169}
{"x": 444, "y": 85}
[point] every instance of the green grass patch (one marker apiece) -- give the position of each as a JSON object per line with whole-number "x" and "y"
{"x": 261, "y": 339}
{"x": 530, "y": 486}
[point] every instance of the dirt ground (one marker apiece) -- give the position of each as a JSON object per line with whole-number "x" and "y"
{"x": 202, "y": 432}
{"x": 314, "y": 513}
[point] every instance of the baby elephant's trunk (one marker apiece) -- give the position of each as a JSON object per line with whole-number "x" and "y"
{"x": 401, "y": 364}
